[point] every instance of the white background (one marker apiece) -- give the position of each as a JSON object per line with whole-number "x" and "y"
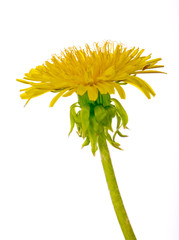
{"x": 49, "y": 187}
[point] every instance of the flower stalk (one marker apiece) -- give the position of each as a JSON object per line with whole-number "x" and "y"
{"x": 114, "y": 191}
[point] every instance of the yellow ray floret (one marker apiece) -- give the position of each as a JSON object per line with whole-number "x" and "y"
{"x": 103, "y": 68}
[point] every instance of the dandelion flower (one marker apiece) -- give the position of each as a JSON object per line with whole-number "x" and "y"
{"x": 94, "y": 74}
{"x": 103, "y": 69}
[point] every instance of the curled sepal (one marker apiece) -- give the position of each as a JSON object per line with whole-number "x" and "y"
{"x": 77, "y": 117}
{"x": 118, "y": 133}
{"x": 79, "y": 129}
{"x": 118, "y": 121}
{"x": 121, "y": 111}
{"x": 110, "y": 140}
{"x": 72, "y": 114}
{"x": 86, "y": 142}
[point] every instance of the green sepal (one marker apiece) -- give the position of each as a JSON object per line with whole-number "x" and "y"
{"x": 94, "y": 141}
{"x": 79, "y": 129}
{"x": 113, "y": 143}
{"x": 86, "y": 142}
{"x": 121, "y": 111}
{"x": 107, "y": 122}
{"x": 111, "y": 110}
{"x": 118, "y": 121}
{"x": 84, "y": 100}
{"x": 77, "y": 117}
{"x": 94, "y": 124}
{"x": 85, "y": 114}
{"x": 72, "y": 114}
{"x": 100, "y": 113}
{"x": 99, "y": 99}
{"x": 106, "y": 99}
{"x": 93, "y": 136}
{"x": 119, "y": 133}
{"x": 72, "y": 121}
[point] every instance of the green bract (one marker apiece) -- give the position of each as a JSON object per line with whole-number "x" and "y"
{"x": 94, "y": 118}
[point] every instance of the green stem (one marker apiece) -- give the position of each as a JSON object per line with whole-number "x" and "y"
{"x": 114, "y": 191}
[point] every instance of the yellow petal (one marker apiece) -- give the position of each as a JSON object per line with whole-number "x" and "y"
{"x": 101, "y": 88}
{"x": 153, "y": 61}
{"x": 147, "y": 86}
{"x": 109, "y": 72}
{"x": 140, "y": 53}
{"x": 25, "y": 81}
{"x": 109, "y": 87}
{"x": 140, "y": 84}
{"x": 134, "y": 53}
{"x": 141, "y": 88}
{"x": 149, "y": 71}
{"x": 32, "y": 92}
{"x": 69, "y": 93}
{"x": 120, "y": 90}
{"x": 57, "y": 97}
{"x": 92, "y": 93}
{"x": 81, "y": 89}
{"x": 155, "y": 66}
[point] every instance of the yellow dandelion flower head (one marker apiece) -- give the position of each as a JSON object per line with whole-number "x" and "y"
{"x": 98, "y": 70}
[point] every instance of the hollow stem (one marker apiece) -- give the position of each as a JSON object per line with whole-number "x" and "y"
{"x": 114, "y": 191}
